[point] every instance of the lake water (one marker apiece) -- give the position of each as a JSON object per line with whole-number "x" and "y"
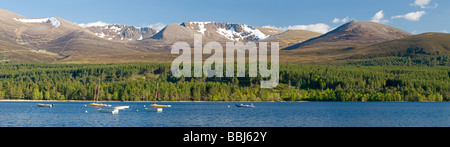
{"x": 203, "y": 114}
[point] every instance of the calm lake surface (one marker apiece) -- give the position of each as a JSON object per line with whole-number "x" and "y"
{"x": 204, "y": 114}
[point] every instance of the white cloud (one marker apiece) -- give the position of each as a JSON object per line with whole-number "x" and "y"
{"x": 378, "y": 17}
{"x": 158, "y": 26}
{"x": 423, "y": 4}
{"x": 319, "y": 27}
{"x": 413, "y": 16}
{"x": 92, "y": 24}
{"x": 343, "y": 20}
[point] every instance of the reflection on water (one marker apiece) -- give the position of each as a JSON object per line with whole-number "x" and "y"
{"x": 312, "y": 114}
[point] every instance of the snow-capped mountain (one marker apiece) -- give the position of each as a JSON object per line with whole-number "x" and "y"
{"x": 231, "y": 31}
{"x": 53, "y": 38}
{"x": 120, "y": 32}
{"x": 211, "y": 31}
{"x": 184, "y": 31}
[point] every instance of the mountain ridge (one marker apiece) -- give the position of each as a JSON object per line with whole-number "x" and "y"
{"x": 352, "y": 34}
{"x": 219, "y": 31}
{"x": 120, "y": 32}
{"x": 53, "y": 39}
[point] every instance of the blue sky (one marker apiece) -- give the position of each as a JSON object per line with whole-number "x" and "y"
{"x": 415, "y": 16}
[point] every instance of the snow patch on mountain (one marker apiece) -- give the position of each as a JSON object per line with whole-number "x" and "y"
{"x": 113, "y": 28}
{"x": 119, "y": 32}
{"x": 52, "y": 20}
{"x": 246, "y": 31}
{"x": 253, "y": 31}
{"x": 201, "y": 26}
{"x": 231, "y": 31}
{"x": 230, "y": 34}
{"x": 102, "y": 35}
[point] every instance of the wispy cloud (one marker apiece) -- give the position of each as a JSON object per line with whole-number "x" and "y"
{"x": 343, "y": 20}
{"x": 319, "y": 27}
{"x": 424, "y": 4}
{"x": 378, "y": 17}
{"x": 92, "y": 24}
{"x": 412, "y": 16}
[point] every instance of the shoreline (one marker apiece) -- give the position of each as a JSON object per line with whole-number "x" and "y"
{"x": 45, "y": 101}
{"x": 133, "y": 101}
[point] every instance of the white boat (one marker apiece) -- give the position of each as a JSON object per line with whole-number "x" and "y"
{"x": 109, "y": 110}
{"x": 120, "y": 107}
{"x": 112, "y": 110}
{"x": 246, "y": 106}
{"x": 45, "y": 105}
{"x": 154, "y": 109}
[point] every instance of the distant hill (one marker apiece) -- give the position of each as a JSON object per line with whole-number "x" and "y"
{"x": 353, "y": 34}
{"x": 292, "y": 37}
{"x": 427, "y": 44}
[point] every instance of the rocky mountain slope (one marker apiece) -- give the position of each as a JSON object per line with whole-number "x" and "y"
{"x": 53, "y": 39}
{"x": 211, "y": 31}
{"x": 120, "y": 32}
{"x": 217, "y": 31}
{"x": 352, "y": 34}
{"x": 292, "y": 37}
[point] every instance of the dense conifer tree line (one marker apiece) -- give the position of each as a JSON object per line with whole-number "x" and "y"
{"x": 137, "y": 82}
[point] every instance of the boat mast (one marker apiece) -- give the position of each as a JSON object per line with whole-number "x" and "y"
{"x": 156, "y": 96}
{"x": 95, "y": 92}
{"x": 98, "y": 92}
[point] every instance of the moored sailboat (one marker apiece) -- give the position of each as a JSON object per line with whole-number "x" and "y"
{"x": 156, "y": 97}
{"x": 160, "y": 106}
{"x": 99, "y": 105}
{"x": 96, "y": 103}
